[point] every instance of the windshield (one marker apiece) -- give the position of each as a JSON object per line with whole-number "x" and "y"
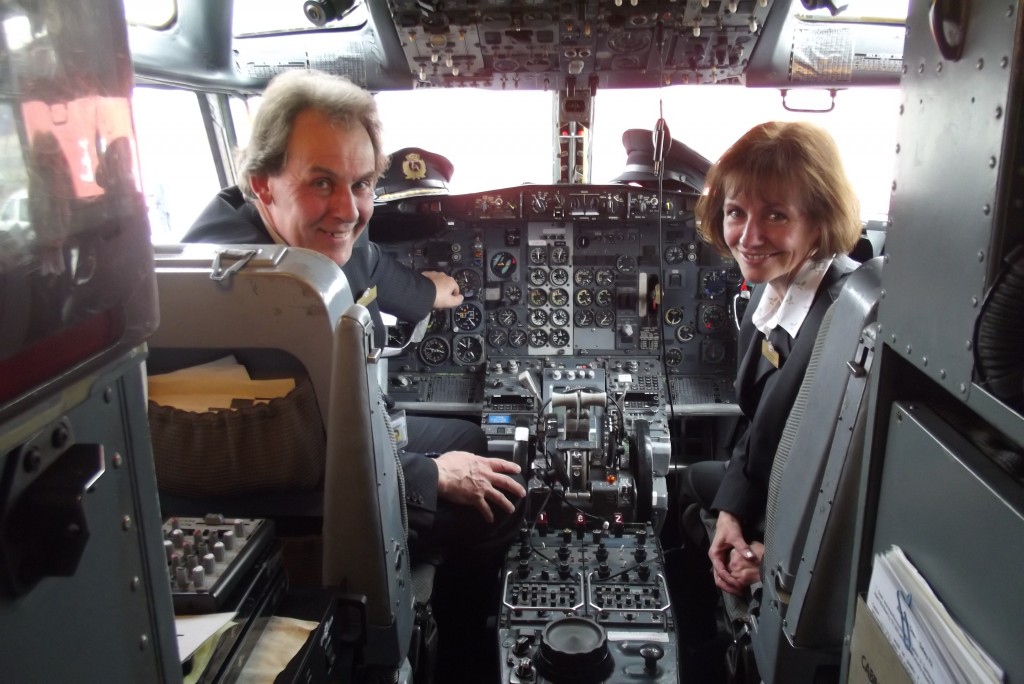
{"x": 709, "y": 119}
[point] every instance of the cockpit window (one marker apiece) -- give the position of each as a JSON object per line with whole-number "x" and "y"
{"x": 493, "y": 138}
{"x": 155, "y": 14}
{"x": 860, "y": 11}
{"x": 262, "y": 17}
{"x": 709, "y": 119}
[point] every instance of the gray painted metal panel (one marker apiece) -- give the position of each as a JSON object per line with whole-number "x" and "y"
{"x": 112, "y": 619}
{"x": 959, "y": 519}
{"x": 946, "y": 210}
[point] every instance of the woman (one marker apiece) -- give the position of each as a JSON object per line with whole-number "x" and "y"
{"x": 780, "y": 204}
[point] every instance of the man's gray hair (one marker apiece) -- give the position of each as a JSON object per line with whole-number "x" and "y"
{"x": 290, "y": 94}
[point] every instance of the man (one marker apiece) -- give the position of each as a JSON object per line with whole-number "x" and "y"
{"x": 307, "y": 179}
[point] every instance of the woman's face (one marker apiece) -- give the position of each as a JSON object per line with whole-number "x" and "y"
{"x": 770, "y": 238}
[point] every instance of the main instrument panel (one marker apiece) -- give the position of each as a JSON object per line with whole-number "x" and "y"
{"x": 575, "y": 278}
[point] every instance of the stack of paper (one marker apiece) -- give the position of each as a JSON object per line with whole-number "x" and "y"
{"x": 220, "y": 384}
{"x": 929, "y": 642}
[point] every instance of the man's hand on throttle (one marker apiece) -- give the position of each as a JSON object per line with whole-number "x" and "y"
{"x": 473, "y": 480}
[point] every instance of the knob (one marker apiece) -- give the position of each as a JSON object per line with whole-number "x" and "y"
{"x": 603, "y": 571}
{"x": 556, "y": 375}
{"x": 640, "y": 553}
{"x": 602, "y": 552}
{"x": 229, "y": 539}
{"x": 563, "y": 552}
{"x": 240, "y": 528}
{"x": 643, "y": 572}
{"x": 524, "y": 569}
{"x": 651, "y": 653}
{"x": 570, "y": 375}
{"x": 524, "y": 669}
{"x": 218, "y": 552}
{"x": 181, "y": 577}
{"x": 522, "y": 646}
{"x": 403, "y": 381}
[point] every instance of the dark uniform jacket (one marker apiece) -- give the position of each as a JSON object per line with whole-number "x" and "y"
{"x": 766, "y": 395}
{"x": 230, "y": 219}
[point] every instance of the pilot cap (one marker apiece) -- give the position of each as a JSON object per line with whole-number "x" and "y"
{"x": 685, "y": 169}
{"x": 413, "y": 172}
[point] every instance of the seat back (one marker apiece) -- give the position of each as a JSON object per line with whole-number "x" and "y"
{"x": 365, "y": 523}
{"x": 798, "y": 632}
{"x": 280, "y": 309}
{"x": 274, "y": 308}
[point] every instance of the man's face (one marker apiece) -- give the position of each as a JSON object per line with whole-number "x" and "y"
{"x": 323, "y": 197}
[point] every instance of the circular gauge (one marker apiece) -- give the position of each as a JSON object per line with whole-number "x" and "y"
{"x": 685, "y": 333}
{"x": 538, "y": 276}
{"x": 673, "y": 316}
{"x": 559, "y": 276}
{"x": 615, "y": 203}
{"x": 605, "y": 277}
{"x": 538, "y": 317}
{"x": 513, "y": 294}
{"x": 733, "y": 276}
{"x": 538, "y": 256}
{"x": 558, "y": 297}
{"x": 434, "y": 351}
{"x": 604, "y": 318}
{"x": 559, "y": 255}
{"x": 584, "y": 318}
{"x": 537, "y": 297}
{"x": 712, "y": 317}
{"x": 469, "y": 282}
{"x": 468, "y": 349}
{"x": 438, "y": 321}
{"x": 539, "y": 202}
{"x": 517, "y": 337}
{"x": 559, "y": 338}
{"x": 605, "y": 297}
{"x": 467, "y": 316}
{"x": 583, "y": 276}
{"x": 398, "y": 334}
{"x": 673, "y": 357}
{"x": 626, "y": 263}
{"x": 584, "y": 297}
{"x": 674, "y": 254}
{"x": 538, "y": 338}
{"x": 560, "y": 317}
{"x": 507, "y": 317}
{"x": 712, "y": 350}
{"x": 712, "y": 284}
{"x": 497, "y": 337}
{"x": 503, "y": 264}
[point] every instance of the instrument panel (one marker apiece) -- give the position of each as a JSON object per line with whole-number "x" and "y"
{"x": 562, "y": 276}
